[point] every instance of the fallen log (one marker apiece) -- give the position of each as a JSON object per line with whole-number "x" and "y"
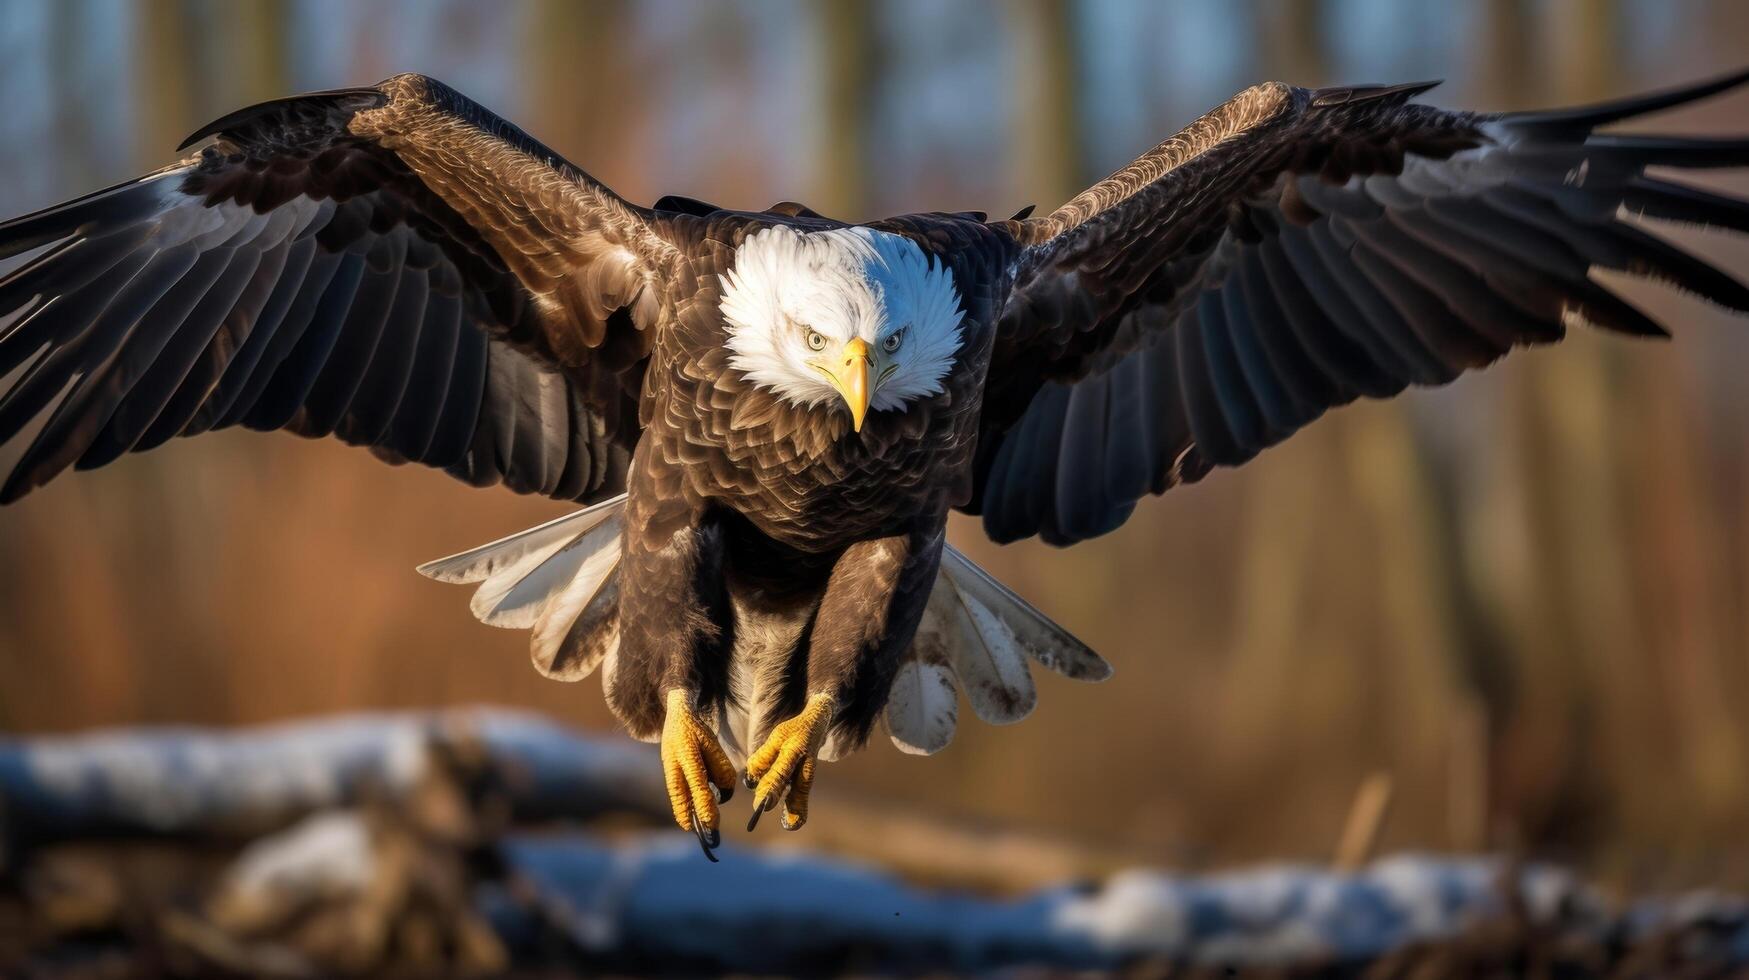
{"x": 237, "y": 784}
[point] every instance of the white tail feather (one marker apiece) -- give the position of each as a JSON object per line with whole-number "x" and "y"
{"x": 976, "y": 630}
{"x": 923, "y": 704}
{"x": 1051, "y": 645}
{"x": 516, "y": 598}
{"x": 479, "y": 564}
{"x": 557, "y": 580}
{"x": 986, "y": 659}
{"x": 560, "y": 580}
{"x": 566, "y": 643}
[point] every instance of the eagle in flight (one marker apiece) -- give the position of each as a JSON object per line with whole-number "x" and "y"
{"x": 770, "y": 414}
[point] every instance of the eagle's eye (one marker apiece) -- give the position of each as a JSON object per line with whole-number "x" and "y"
{"x": 816, "y": 341}
{"x": 893, "y": 340}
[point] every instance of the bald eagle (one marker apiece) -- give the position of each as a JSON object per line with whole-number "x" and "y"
{"x": 770, "y": 414}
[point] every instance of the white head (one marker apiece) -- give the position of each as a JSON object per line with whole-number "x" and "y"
{"x": 851, "y": 313}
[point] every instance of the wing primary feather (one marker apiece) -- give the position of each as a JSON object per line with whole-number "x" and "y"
{"x": 1080, "y": 491}
{"x": 1128, "y": 430}
{"x": 1282, "y": 411}
{"x": 462, "y": 399}
{"x": 1310, "y": 389}
{"x": 1002, "y": 489}
{"x": 1628, "y": 249}
{"x": 583, "y": 470}
{"x": 1442, "y": 332}
{"x": 384, "y": 385}
{"x": 1239, "y": 403}
{"x": 1484, "y": 217}
{"x": 1176, "y": 455}
{"x": 356, "y": 341}
{"x": 1208, "y": 425}
{"x": 246, "y": 389}
{"x": 1646, "y": 254}
{"x": 1386, "y": 322}
{"x": 421, "y": 406}
{"x": 1589, "y": 117}
{"x": 1602, "y": 308}
{"x": 1683, "y": 152}
{"x": 155, "y": 358}
{"x": 1537, "y": 288}
{"x": 1333, "y": 305}
{"x": 126, "y": 205}
{"x": 193, "y": 408}
{"x": 97, "y": 318}
{"x": 1333, "y": 350}
{"x": 1671, "y": 201}
{"x": 102, "y": 368}
{"x": 69, "y": 285}
{"x": 286, "y": 392}
{"x": 1040, "y": 439}
{"x": 1457, "y": 284}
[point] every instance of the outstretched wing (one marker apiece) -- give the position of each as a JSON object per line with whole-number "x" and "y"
{"x": 395, "y": 266}
{"x": 1293, "y": 250}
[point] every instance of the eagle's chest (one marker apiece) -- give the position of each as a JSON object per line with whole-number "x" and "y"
{"x": 801, "y": 475}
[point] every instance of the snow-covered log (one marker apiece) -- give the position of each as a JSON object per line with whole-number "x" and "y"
{"x": 238, "y": 783}
{"x": 760, "y": 912}
{"x": 371, "y": 843}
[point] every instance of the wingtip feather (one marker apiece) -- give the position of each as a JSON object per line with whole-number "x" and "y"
{"x": 1588, "y": 117}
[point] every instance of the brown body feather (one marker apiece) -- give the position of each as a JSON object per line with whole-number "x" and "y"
{"x": 836, "y": 530}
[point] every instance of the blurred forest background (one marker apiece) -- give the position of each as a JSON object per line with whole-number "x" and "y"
{"x": 1525, "y": 597}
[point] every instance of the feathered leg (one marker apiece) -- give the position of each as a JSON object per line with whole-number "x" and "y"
{"x": 873, "y": 602}
{"x": 672, "y": 623}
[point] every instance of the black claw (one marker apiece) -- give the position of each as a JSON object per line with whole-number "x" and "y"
{"x": 748, "y": 781}
{"x": 753, "y": 821}
{"x": 707, "y": 840}
{"x": 724, "y": 793}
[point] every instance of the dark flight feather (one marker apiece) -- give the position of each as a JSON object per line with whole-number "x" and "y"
{"x": 1292, "y": 250}
{"x": 336, "y": 264}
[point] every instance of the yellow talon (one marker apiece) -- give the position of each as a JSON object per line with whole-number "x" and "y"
{"x": 787, "y": 759}
{"x": 694, "y": 762}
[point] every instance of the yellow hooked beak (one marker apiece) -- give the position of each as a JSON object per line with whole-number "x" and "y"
{"x": 850, "y": 376}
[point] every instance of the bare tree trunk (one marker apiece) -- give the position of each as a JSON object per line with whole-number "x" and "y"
{"x": 164, "y": 97}
{"x": 573, "y": 96}
{"x": 1293, "y": 41}
{"x": 1045, "y": 117}
{"x": 849, "y": 55}
{"x": 260, "y": 60}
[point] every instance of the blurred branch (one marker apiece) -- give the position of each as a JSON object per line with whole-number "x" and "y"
{"x": 1366, "y": 821}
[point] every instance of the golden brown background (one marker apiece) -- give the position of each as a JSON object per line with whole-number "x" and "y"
{"x": 1525, "y": 598}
